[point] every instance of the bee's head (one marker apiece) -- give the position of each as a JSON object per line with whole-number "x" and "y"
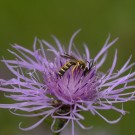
{"x": 82, "y": 64}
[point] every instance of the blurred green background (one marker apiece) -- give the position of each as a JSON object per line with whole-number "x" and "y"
{"x": 21, "y": 21}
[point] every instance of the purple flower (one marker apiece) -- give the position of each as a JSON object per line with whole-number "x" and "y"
{"x": 38, "y": 90}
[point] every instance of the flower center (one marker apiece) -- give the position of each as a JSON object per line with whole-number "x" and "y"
{"x": 72, "y": 86}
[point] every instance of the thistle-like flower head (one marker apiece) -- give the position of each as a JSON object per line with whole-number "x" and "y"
{"x": 66, "y": 85}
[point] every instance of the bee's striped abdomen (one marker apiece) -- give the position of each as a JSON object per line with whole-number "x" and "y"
{"x": 65, "y": 68}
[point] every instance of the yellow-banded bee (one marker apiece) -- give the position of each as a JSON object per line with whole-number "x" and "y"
{"x": 76, "y": 63}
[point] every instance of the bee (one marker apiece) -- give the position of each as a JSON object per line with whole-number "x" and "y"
{"x": 76, "y": 64}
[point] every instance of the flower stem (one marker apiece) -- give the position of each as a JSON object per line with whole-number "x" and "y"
{"x": 60, "y": 123}
{"x": 56, "y": 133}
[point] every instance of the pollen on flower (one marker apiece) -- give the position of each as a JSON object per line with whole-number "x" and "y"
{"x": 67, "y": 85}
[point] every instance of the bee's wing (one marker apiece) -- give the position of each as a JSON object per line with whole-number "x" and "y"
{"x": 67, "y": 56}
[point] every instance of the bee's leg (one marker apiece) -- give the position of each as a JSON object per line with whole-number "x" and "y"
{"x": 74, "y": 69}
{"x": 85, "y": 72}
{"x": 78, "y": 66}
